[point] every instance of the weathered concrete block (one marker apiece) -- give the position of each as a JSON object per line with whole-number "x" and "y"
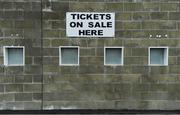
{"x": 14, "y": 33}
{"x": 7, "y": 97}
{"x": 158, "y": 87}
{"x": 23, "y": 79}
{"x": 167, "y": 79}
{"x": 139, "y": 51}
{"x": 2, "y": 87}
{"x": 28, "y": 43}
{"x": 123, "y": 33}
{"x": 36, "y": 15}
{"x": 174, "y": 15}
{"x": 59, "y": 42}
{"x": 58, "y": 25}
{"x": 47, "y": 24}
{"x": 132, "y": 43}
{"x": 132, "y": 25}
{"x": 154, "y": 95}
{"x": 37, "y": 96}
{"x": 100, "y": 52}
{"x": 169, "y": 7}
{"x": 174, "y": 69}
{"x": 123, "y": 70}
{"x": 32, "y": 105}
{"x": 1, "y": 70}
{"x": 6, "y": 24}
{"x": 60, "y": 96}
{"x": 51, "y": 68}
{"x": 18, "y": 15}
{"x": 7, "y": 5}
{"x": 140, "y": 16}
{"x": 51, "y": 33}
{"x": 159, "y": 104}
{"x": 159, "y": 15}
{"x": 14, "y": 88}
{"x": 32, "y": 34}
{"x": 127, "y": 52}
{"x": 13, "y": 106}
{"x": 36, "y": 6}
{"x": 83, "y": 61}
{"x": 62, "y": 33}
{"x": 53, "y": 15}
{"x": 7, "y": 79}
{"x": 174, "y": 61}
{"x": 135, "y": 60}
{"x": 119, "y": 25}
{"x": 148, "y": 6}
{"x": 84, "y": 52}
{"x": 46, "y": 43}
{"x": 35, "y": 88}
{"x": 145, "y": 78}
{"x": 51, "y": 61}
{"x": 60, "y": 6}
{"x": 95, "y": 61}
{"x": 140, "y": 69}
{"x": 173, "y": 34}
{"x": 138, "y": 34}
{"x": 37, "y": 60}
{"x": 28, "y": 60}
{"x": 174, "y": 51}
{"x": 133, "y": 7}
{"x": 20, "y": 5}
{"x": 159, "y": 70}
{"x": 158, "y": 25}
{"x": 123, "y": 16}
{"x": 11, "y": 70}
{"x": 125, "y": 104}
{"x": 79, "y": 105}
{"x": 24, "y": 24}
{"x": 32, "y": 69}
{"x": 69, "y": 70}
{"x": 91, "y": 69}
{"x": 23, "y": 97}
{"x": 37, "y": 78}
{"x": 114, "y": 7}
{"x": 84, "y": 7}
{"x": 51, "y": 52}
{"x": 50, "y": 88}
{"x": 169, "y": 42}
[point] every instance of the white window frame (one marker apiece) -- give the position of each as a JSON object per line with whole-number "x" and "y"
{"x": 122, "y": 55}
{"x": 166, "y": 56}
{"x": 60, "y": 61}
{"x": 5, "y": 48}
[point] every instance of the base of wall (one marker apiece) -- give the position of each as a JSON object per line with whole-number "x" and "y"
{"x": 90, "y": 111}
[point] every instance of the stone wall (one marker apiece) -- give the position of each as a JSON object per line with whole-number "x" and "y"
{"x": 20, "y": 25}
{"x": 91, "y": 85}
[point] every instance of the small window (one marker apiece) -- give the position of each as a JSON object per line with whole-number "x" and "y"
{"x": 158, "y": 56}
{"x": 69, "y": 55}
{"x": 113, "y": 56}
{"x": 14, "y": 55}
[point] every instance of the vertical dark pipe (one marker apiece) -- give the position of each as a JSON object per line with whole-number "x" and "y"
{"x": 42, "y": 80}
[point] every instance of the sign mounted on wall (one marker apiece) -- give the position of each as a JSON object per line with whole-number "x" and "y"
{"x": 90, "y": 24}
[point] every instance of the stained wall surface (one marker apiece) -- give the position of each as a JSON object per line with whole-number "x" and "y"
{"x": 43, "y": 84}
{"x": 20, "y": 25}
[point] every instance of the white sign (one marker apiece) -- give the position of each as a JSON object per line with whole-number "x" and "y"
{"x": 90, "y": 24}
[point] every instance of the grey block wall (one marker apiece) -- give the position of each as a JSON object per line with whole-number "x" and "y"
{"x": 91, "y": 85}
{"x": 20, "y": 25}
